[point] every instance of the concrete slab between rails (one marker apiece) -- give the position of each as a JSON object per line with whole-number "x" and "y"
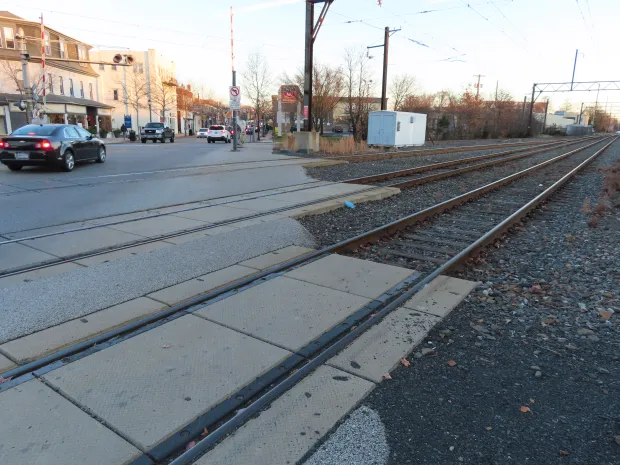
{"x": 283, "y": 311}
{"x": 441, "y": 295}
{"x": 82, "y": 241}
{"x": 150, "y": 386}
{"x": 29, "y": 276}
{"x": 352, "y": 275}
{"x": 39, "y": 426}
{"x": 186, "y": 290}
{"x": 17, "y": 255}
{"x": 46, "y": 302}
{"x": 5, "y": 363}
{"x": 277, "y": 256}
{"x": 199, "y": 235}
{"x": 158, "y": 226}
{"x": 49, "y": 340}
{"x": 294, "y": 423}
{"x": 115, "y": 255}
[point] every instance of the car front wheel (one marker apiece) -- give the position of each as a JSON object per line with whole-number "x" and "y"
{"x": 101, "y": 156}
{"x": 144, "y": 141}
{"x": 15, "y": 167}
{"x": 68, "y": 161}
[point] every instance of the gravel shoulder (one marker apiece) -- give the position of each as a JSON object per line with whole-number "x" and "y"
{"x": 536, "y": 350}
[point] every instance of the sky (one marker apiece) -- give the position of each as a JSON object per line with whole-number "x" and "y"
{"x": 443, "y": 43}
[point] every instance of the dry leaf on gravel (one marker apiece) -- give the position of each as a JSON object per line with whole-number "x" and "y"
{"x": 190, "y": 445}
{"x": 452, "y": 363}
{"x": 387, "y": 376}
{"x": 525, "y": 409}
{"x": 606, "y": 314}
{"x": 564, "y": 453}
{"x": 489, "y": 428}
{"x": 405, "y": 362}
{"x": 531, "y": 400}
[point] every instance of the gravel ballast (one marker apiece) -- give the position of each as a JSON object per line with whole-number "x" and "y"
{"x": 527, "y": 368}
{"x": 342, "y": 224}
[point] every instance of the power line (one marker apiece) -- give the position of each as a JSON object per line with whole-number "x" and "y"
{"x": 490, "y": 22}
{"x": 176, "y": 31}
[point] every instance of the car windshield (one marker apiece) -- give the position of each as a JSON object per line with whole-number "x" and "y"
{"x": 203, "y": 130}
{"x": 217, "y": 128}
{"x": 154, "y": 125}
{"x": 34, "y": 130}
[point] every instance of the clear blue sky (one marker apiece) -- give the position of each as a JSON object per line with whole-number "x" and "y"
{"x": 515, "y": 42}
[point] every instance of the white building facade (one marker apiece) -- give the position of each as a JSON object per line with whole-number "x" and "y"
{"x": 145, "y": 91}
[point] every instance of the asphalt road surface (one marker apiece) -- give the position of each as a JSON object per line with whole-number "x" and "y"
{"x": 139, "y": 176}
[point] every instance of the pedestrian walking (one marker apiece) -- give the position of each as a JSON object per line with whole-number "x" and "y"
{"x": 123, "y": 129}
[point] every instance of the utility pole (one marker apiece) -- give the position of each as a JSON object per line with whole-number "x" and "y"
{"x": 25, "y": 58}
{"x": 386, "y": 46}
{"x": 574, "y": 68}
{"x": 312, "y": 31}
{"x": 580, "y": 113}
{"x": 234, "y": 79}
{"x": 546, "y": 112}
{"x": 529, "y": 126}
{"x": 479, "y": 76}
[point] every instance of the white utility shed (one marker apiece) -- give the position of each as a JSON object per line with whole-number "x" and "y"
{"x": 396, "y": 128}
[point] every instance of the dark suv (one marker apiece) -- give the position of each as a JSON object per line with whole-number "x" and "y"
{"x": 156, "y": 132}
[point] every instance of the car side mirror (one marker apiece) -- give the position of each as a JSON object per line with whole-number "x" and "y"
{"x": 90, "y": 137}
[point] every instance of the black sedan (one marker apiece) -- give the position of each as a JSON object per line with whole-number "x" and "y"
{"x": 61, "y": 145}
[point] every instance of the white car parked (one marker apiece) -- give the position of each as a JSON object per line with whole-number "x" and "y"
{"x": 202, "y": 133}
{"x": 218, "y": 132}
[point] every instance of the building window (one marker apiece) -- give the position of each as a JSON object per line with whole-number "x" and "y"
{"x": 82, "y": 89}
{"x": 71, "y": 87}
{"x": 90, "y": 90}
{"x": 101, "y": 67}
{"x": 48, "y": 47}
{"x": 62, "y": 47}
{"x": 115, "y": 94}
{"x": 82, "y": 55}
{"x": 51, "y": 83}
{"x": 113, "y": 67}
{"x": 9, "y": 37}
{"x": 62, "y": 86}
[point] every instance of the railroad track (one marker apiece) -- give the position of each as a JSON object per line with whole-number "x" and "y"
{"x": 488, "y": 211}
{"x": 443, "y": 170}
{"x": 361, "y": 158}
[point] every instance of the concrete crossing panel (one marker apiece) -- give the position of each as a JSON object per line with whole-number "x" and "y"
{"x": 150, "y": 386}
{"x": 352, "y": 275}
{"x": 39, "y": 427}
{"x": 284, "y": 311}
{"x": 294, "y": 423}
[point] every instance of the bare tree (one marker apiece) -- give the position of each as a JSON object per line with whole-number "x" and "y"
{"x": 357, "y": 91}
{"x": 327, "y": 91}
{"x": 403, "y": 86}
{"x": 11, "y": 72}
{"x": 163, "y": 91}
{"x": 136, "y": 90}
{"x": 257, "y": 81}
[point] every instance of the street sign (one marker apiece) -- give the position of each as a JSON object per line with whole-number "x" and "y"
{"x": 128, "y": 121}
{"x": 235, "y": 97}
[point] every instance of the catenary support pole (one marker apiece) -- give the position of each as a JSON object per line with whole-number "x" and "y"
{"x": 308, "y": 66}
{"x": 386, "y": 45}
